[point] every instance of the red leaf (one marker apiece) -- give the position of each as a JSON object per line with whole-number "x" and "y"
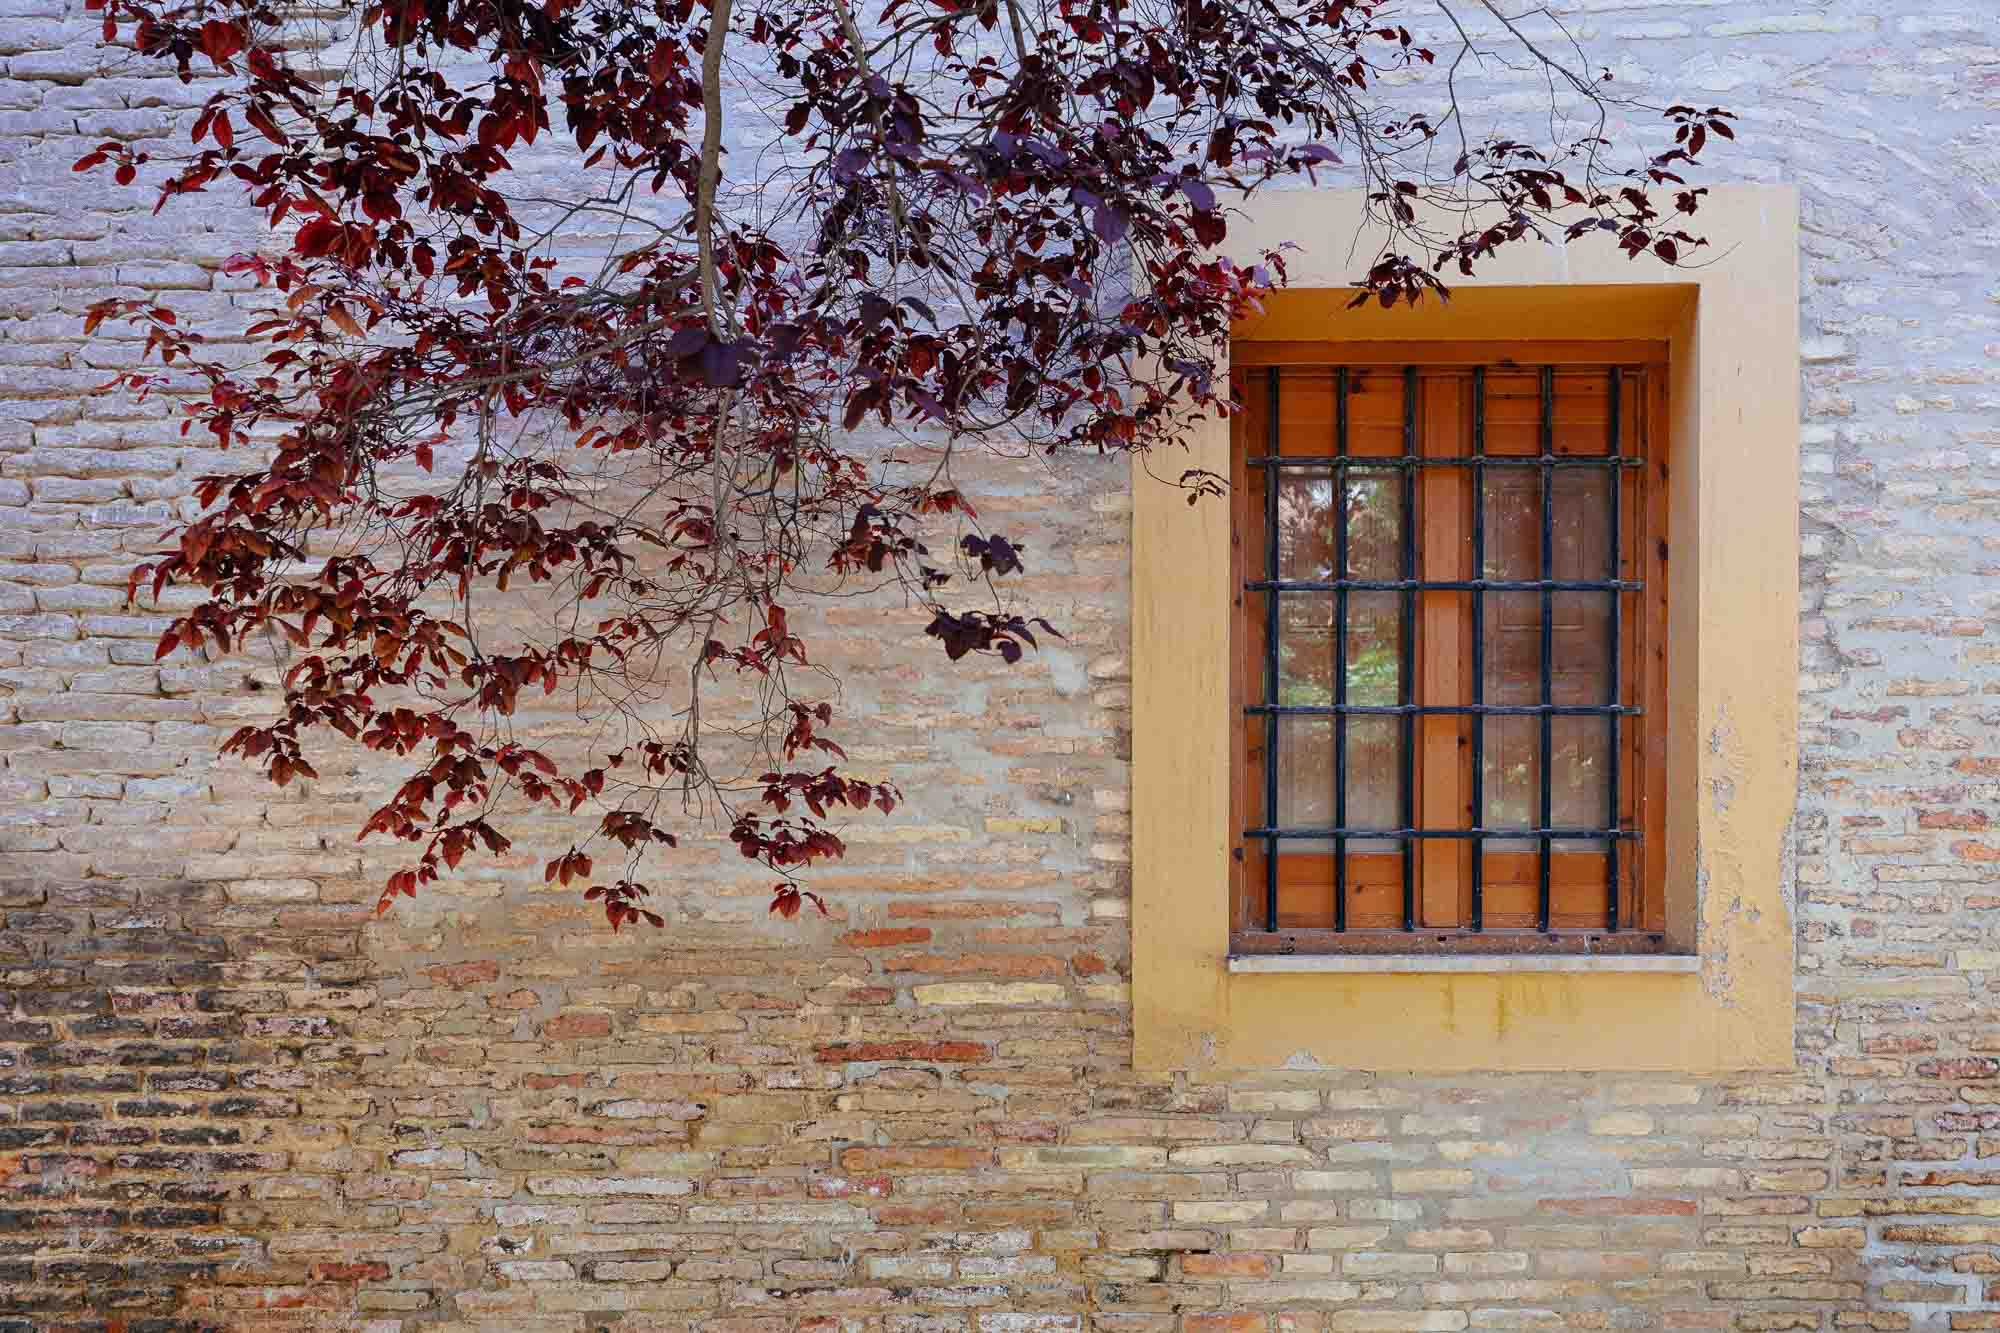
{"x": 261, "y": 121}
{"x": 220, "y": 40}
{"x": 317, "y": 237}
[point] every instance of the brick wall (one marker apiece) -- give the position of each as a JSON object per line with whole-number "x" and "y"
{"x": 229, "y": 1100}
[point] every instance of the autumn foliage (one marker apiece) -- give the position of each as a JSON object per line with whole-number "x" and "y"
{"x": 989, "y": 221}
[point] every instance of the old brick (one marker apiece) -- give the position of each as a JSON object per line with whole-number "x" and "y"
{"x": 886, "y": 937}
{"x": 953, "y": 1052}
{"x": 231, "y": 1097}
{"x": 568, "y": 1027}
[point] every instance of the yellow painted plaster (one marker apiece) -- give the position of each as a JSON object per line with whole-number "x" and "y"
{"x": 1732, "y": 325}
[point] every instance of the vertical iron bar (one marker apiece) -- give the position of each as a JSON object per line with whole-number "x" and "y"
{"x": 1616, "y": 477}
{"x": 1340, "y": 653}
{"x": 1548, "y": 643}
{"x": 1273, "y": 476}
{"x": 1478, "y": 647}
{"x": 1407, "y": 671}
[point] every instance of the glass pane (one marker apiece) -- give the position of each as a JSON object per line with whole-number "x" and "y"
{"x": 1580, "y": 791}
{"x": 1305, "y": 780}
{"x": 1305, "y": 777}
{"x": 1512, "y": 775}
{"x": 1374, "y": 778}
{"x": 1305, "y": 648}
{"x": 1513, "y": 648}
{"x": 1374, "y": 648}
{"x": 1513, "y": 743}
{"x": 1308, "y": 535}
{"x": 1306, "y": 519}
{"x": 1582, "y": 523}
{"x": 1374, "y": 525}
{"x": 1374, "y": 740}
{"x": 1580, "y": 671}
{"x": 1513, "y": 523}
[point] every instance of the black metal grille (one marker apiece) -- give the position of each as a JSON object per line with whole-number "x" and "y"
{"x": 1407, "y": 832}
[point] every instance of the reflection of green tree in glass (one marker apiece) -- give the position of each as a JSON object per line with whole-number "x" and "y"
{"x": 1373, "y": 669}
{"x": 1374, "y": 525}
{"x": 1298, "y": 693}
{"x": 1308, "y": 541}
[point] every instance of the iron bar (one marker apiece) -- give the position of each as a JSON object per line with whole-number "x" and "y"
{"x": 1479, "y": 643}
{"x": 1405, "y": 675}
{"x": 1548, "y": 476}
{"x": 1271, "y": 663}
{"x": 1391, "y": 462}
{"x": 1478, "y": 831}
{"x": 1446, "y": 585}
{"x": 1447, "y": 710}
{"x": 1340, "y": 652}
{"x": 1616, "y": 691}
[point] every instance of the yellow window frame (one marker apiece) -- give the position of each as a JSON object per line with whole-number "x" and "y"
{"x": 1723, "y": 999}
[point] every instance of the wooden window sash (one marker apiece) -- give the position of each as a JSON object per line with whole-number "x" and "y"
{"x": 1441, "y": 756}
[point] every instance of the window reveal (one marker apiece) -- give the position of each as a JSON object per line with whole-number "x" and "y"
{"x": 1448, "y": 653}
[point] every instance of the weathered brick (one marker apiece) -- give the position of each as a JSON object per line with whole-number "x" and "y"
{"x": 954, "y": 1052}
{"x": 229, "y": 1097}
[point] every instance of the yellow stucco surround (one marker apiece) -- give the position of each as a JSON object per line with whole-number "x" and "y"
{"x": 1732, "y": 325}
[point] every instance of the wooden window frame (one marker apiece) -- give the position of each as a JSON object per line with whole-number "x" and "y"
{"x": 1437, "y": 918}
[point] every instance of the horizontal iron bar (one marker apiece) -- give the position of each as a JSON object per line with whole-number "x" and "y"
{"x": 1445, "y": 585}
{"x": 1444, "y": 710}
{"x": 1394, "y": 462}
{"x": 1597, "y": 834}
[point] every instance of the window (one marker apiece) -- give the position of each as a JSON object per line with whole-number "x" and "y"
{"x": 1718, "y": 433}
{"x": 1450, "y": 666}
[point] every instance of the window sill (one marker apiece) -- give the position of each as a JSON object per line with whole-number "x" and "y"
{"x": 1502, "y": 963}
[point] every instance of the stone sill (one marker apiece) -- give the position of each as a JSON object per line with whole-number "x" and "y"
{"x": 1381, "y": 962}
